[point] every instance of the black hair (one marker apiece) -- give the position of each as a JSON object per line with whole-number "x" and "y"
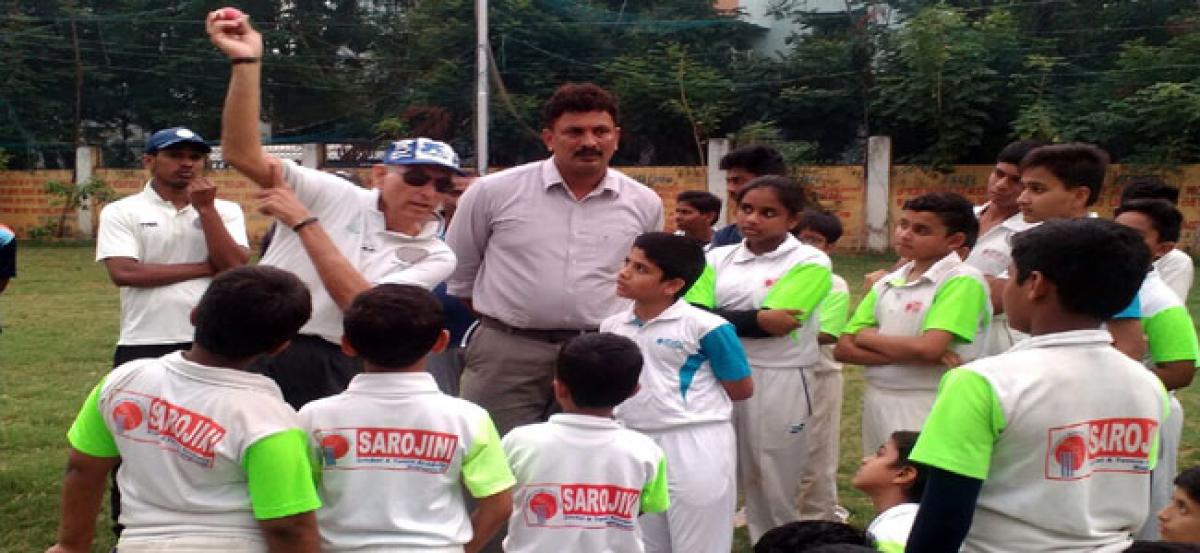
{"x": 1140, "y": 546}
{"x": 1167, "y": 220}
{"x": 803, "y": 535}
{"x": 790, "y": 194}
{"x": 1149, "y": 187}
{"x": 600, "y": 369}
{"x": 704, "y": 202}
{"x": 841, "y": 548}
{"x": 755, "y": 159}
{"x": 579, "y": 98}
{"x": 822, "y": 222}
{"x": 1075, "y": 164}
{"x": 248, "y": 311}
{"x": 953, "y": 210}
{"x": 1189, "y": 482}
{"x": 1097, "y": 266}
{"x": 905, "y": 440}
{"x": 677, "y": 256}
{"x": 393, "y": 325}
{"x": 1016, "y": 151}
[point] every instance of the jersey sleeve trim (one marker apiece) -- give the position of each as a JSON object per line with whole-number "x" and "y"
{"x": 864, "y": 314}
{"x": 725, "y": 353}
{"x": 802, "y": 288}
{"x": 963, "y": 426}
{"x": 1171, "y": 336}
{"x": 959, "y": 307}
{"x": 279, "y": 475}
{"x": 655, "y": 498}
{"x": 485, "y": 467}
{"x": 89, "y": 434}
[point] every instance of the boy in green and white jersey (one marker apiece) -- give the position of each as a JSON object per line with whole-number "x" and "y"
{"x": 895, "y": 485}
{"x": 211, "y": 457}
{"x": 1050, "y": 445}
{"x": 1170, "y": 337}
{"x": 931, "y": 313}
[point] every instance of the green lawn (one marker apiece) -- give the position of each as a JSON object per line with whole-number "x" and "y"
{"x": 60, "y": 319}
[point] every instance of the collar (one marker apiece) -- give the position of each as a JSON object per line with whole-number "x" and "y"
{"x": 152, "y": 196}
{"x": 551, "y": 178}
{"x": 1098, "y": 336}
{"x": 584, "y": 421}
{"x": 220, "y": 376}
{"x": 743, "y": 254}
{"x": 897, "y": 511}
{"x": 1015, "y": 222}
{"x": 393, "y": 383}
{"x": 672, "y": 312}
{"x": 933, "y": 274}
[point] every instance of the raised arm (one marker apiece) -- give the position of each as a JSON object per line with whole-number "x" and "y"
{"x": 240, "y": 142}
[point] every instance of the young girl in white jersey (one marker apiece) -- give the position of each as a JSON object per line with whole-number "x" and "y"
{"x": 769, "y": 286}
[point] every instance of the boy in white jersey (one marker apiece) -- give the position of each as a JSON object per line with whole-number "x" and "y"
{"x": 1175, "y": 266}
{"x": 211, "y": 457}
{"x": 818, "y": 486}
{"x": 694, "y": 366}
{"x": 394, "y": 449}
{"x": 1170, "y": 337}
{"x": 895, "y": 485}
{"x": 581, "y": 478}
{"x": 932, "y": 312}
{"x": 1048, "y": 446}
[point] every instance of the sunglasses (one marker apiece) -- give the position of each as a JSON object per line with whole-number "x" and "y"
{"x": 418, "y": 177}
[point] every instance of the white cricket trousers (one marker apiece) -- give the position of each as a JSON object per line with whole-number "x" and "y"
{"x": 701, "y": 481}
{"x": 885, "y": 411}
{"x": 818, "y": 482}
{"x": 193, "y": 544}
{"x": 1162, "y": 478}
{"x": 771, "y": 447}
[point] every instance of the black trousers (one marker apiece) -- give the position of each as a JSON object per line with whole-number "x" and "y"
{"x": 310, "y": 368}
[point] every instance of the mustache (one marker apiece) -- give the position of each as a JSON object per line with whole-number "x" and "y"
{"x": 585, "y": 151}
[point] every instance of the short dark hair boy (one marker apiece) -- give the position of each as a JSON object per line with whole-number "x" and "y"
{"x": 823, "y": 223}
{"x": 1074, "y": 165}
{"x": 756, "y": 159}
{"x": 1149, "y": 187}
{"x": 677, "y": 257}
{"x": 704, "y": 202}
{"x": 579, "y": 98}
{"x": 953, "y": 210}
{"x": 600, "y": 370}
{"x": 226, "y": 327}
{"x": 393, "y": 325}
{"x": 1164, "y": 216}
{"x": 1014, "y": 152}
{"x": 802, "y": 535}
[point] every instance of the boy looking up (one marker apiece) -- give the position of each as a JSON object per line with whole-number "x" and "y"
{"x": 394, "y": 449}
{"x": 1175, "y": 267}
{"x": 1061, "y": 182}
{"x": 211, "y": 457}
{"x": 581, "y": 477}
{"x": 1048, "y": 446}
{"x": 895, "y": 484}
{"x": 818, "y": 486}
{"x": 694, "y": 365}
{"x": 1170, "y": 337}
{"x": 931, "y": 313}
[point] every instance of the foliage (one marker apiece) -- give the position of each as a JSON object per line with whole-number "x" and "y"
{"x": 70, "y": 197}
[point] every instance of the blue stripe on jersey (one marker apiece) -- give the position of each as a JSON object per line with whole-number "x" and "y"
{"x": 6, "y": 235}
{"x": 1133, "y": 311}
{"x": 725, "y": 353}
{"x": 688, "y": 372}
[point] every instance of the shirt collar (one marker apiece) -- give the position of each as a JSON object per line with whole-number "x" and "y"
{"x": 1098, "y": 336}
{"x": 393, "y": 383}
{"x": 1017, "y": 223}
{"x": 933, "y": 274}
{"x": 743, "y": 254}
{"x": 584, "y": 421}
{"x": 152, "y": 196}
{"x": 551, "y": 177}
{"x": 673, "y": 312}
{"x": 221, "y": 376}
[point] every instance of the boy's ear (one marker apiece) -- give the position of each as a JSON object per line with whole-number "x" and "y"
{"x": 347, "y": 348}
{"x": 956, "y": 240}
{"x": 561, "y": 392}
{"x": 673, "y": 286}
{"x": 905, "y": 476}
{"x": 1039, "y": 286}
{"x": 442, "y": 342}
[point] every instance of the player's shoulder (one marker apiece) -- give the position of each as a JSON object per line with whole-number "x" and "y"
{"x": 839, "y": 283}
{"x": 638, "y": 446}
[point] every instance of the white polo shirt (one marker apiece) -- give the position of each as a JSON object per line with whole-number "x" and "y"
{"x": 793, "y": 276}
{"x": 394, "y": 451}
{"x": 1170, "y": 332}
{"x": 834, "y": 313}
{"x": 150, "y": 229}
{"x": 687, "y": 353}
{"x": 1063, "y": 431}
{"x": 1177, "y": 270}
{"x": 205, "y": 451}
{"x": 891, "y": 528}
{"x": 992, "y": 252}
{"x": 581, "y": 481}
{"x": 351, "y": 217}
{"x": 950, "y": 296}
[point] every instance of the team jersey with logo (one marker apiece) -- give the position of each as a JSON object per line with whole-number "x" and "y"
{"x": 351, "y": 217}
{"x": 581, "y": 482}
{"x": 150, "y": 229}
{"x": 834, "y": 312}
{"x": 993, "y": 249}
{"x": 1063, "y": 431}
{"x": 793, "y": 276}
{"x": 889, "y": 531}
{"x": 687, "y": 353}
{"x": 393, "y": 451}
{"x": 1170, "y": 334}
{"x": 204, "y": 450}
{"x": 1177, "y": 270}
{"x": 950, "y": 296}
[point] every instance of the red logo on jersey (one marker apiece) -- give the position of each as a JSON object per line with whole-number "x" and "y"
{"x": 544, "y": 506}
{"x": 128, "y": 415}
{"x": 769, "y": 282}
{"x": 1103, "y": 445}
{"x": 913, "y": 307}
{"x": 193, "y": 435}
{"x": 405, "y": 448}
{"x": 333, "y": 447}
{"x": 588, "y": 506}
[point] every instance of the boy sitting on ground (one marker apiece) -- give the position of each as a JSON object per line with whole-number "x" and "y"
{"x": 895, "y": 484}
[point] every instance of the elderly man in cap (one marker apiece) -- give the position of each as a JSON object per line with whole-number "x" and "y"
{"x": 338, "y": 238}
{"x": 162, "y": 245}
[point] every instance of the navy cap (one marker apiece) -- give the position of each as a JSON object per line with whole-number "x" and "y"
{"x": 172, "y": 136}
{"x": 422, "y": 151}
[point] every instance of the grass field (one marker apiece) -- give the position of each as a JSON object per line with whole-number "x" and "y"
{"x": 60, "y": 324}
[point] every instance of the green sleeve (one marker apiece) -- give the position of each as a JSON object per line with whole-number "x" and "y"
{"x": 654, "y": 496}
{"x": 1171, "y": 335}
{"x": 834, "y": 312}
{"x": 279, "y": 476}
{"x": 485, "y": 468}
{"x": 889, "y": 547}
{"x": 864, "y": 315}
{"x": 959, "y": 306}
{"x": 802, "y": 288}
{"x": 963, "y": 426}
{"x": 89, "y": 434}
{"x": 704, "y": 291}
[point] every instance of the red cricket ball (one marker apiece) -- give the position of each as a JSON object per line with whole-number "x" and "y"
{"x": 231, "y": 14}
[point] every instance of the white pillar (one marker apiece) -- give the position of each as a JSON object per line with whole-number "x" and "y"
{"x": 312, "y": 155}
{"x": 879, "y": 166}
{"x": 717, "y": 148}
{"x": 481, "y": 86}
{"x": 87, "y": 159}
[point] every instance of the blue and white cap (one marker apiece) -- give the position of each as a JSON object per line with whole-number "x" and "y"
{"x": 173, "y": 136}
{"x": 422, "y": 151}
